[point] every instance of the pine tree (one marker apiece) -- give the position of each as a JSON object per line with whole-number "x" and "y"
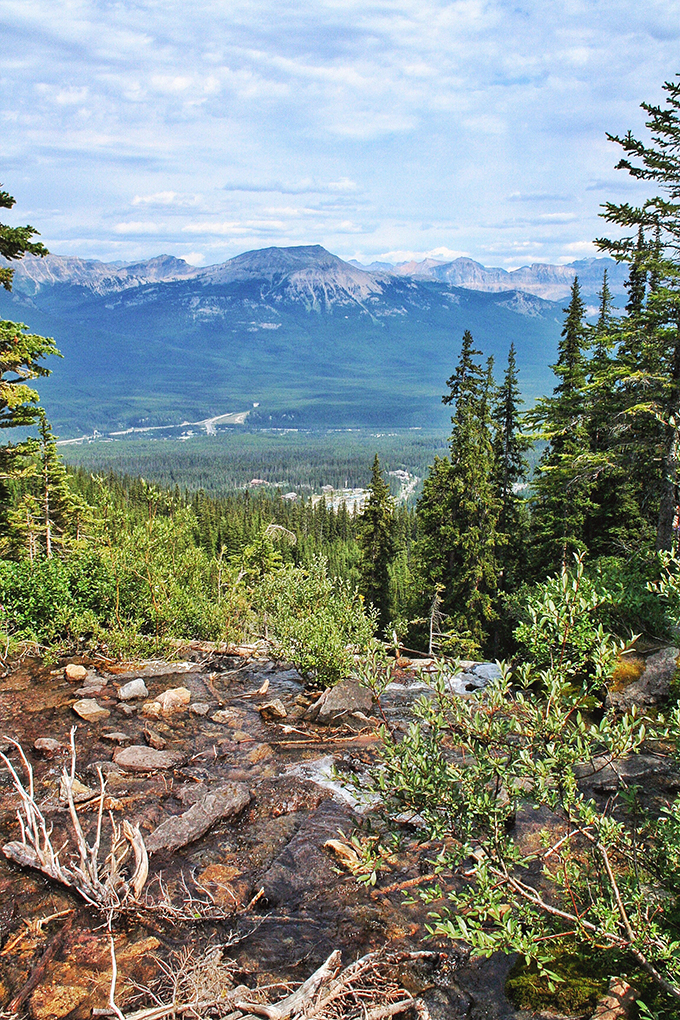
{"x": 561, "y": 487}
{"x": 648, "y": 357}
{"x": 458, "y": 510}
{"x": 509, "y": 470}
{"x": 376, "y": 538}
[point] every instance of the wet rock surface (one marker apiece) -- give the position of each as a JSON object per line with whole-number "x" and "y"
{"x": 236, "y": 808}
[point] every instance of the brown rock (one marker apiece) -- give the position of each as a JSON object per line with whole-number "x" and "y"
{"x": 81, "y": 793}
{"x": 259, "y": 753}
{"x": 273, "y": 710}
{"x": 154, "y": 739}
{"x": 224, "y": 802}
{"x": 75, "y": 672}
{"x": 170, "y": 702}
{"x": 226, "y": 886}
{"x": 228, "y": 717}
{"x": 147, "y": 759}
{"x": 618, "y": 1003}
{"x": 116, "y": 738}
{"x": 90, "y": 710}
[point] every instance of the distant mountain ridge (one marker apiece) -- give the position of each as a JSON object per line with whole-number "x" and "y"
{"x": 296, "y": 336}
{"x": 309, "y": 267}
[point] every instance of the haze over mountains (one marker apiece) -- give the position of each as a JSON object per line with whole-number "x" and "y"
{"x": 309, "y": 338}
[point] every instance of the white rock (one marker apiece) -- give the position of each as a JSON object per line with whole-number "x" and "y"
{"x": 134, "y": 689}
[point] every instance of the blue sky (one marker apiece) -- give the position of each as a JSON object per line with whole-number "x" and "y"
{"x": 388, "y": 129}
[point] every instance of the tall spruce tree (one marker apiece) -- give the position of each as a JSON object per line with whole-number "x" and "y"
{"x": 376, "y": 538}
{"x": 458, "y": 510}
{"x": 509, "y": 469}
{"x": 562, "y": 483}
{"x": 648, "y": 354}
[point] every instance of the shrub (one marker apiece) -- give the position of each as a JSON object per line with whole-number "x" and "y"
{"x": 315, "y": 621}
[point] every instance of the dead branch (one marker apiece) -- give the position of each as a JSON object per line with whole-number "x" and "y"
{"x": 99, "y": 885}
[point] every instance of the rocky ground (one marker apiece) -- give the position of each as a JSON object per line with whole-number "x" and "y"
{"x": 226, "y": 764}
{"x": 233, "y": 772}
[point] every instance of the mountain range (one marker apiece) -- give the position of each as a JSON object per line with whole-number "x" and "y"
{"x": 296, "y": 336}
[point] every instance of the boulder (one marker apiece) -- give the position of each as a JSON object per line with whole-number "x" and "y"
{"x": 652, "y": 687}
{"x": 75, "y": 672}
{"x": 90, "y": 710}
{"x": 134, "y": 689}
{"x": 139, "y": 758}
{"x": 486, "y": 671}
{"x": 340, "y": 701}
{"x": 223, "y": 802}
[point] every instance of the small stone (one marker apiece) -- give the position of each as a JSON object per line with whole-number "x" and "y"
{"x": 75, "y": 672}
{"x": 169, "y": 702}
{"x": 80, "y": 792}
{"x": 273, "y": 710}
{"x": 134, "y": 689}
{"x": 241, "y": 737}
{"x": 92, "y": 687}
{"x": 154, "y": 739}
{"x": 228, "y": 716}
{"x": 89, "y": 710}
{"x": 46, "y": 745}
{"x": 147, "y": 759}
{"x": 125, "y": 709}
{"x": 116, "y": 738}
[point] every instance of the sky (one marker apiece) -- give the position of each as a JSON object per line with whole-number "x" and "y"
{"x": 383, "y": 130}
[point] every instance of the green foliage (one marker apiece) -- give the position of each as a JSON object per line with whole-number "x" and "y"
{"x": 315, "y": 621}
{"x": 605, "y": 875}
{"x": 15, "y": 242}
{"x": 559, "y": 628}
{"x": 583, "y": 979}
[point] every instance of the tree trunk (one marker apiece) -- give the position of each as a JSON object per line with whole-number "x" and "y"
{"x": 669, "y": 480}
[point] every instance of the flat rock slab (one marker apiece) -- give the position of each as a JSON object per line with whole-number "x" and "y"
{"x": 90, "y": 710}
{"x": 304, "y": 868}
{"x": 139, "y": 758}
{"x": 156, "y": 667}
{"x": 223, "y": 802}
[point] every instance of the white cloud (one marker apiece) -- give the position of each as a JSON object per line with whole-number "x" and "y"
{"x": 430, "y": 124}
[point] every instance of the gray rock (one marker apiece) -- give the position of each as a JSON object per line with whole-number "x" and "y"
{"x": 90, "y": 710}
{"x": 304, "y": 867}
{"x": 653, "y": 686}
{"x": 116, "y": 738}
{"x": 139, "y": 758}
{"x": 200, "y": 708}
{"x": 47, "y": 746}
{"x": 605, "y": 777}
{"x": 223, "y": 802}
{"x": 125, "y": 709}
{"x": 91, "y": 687}
{"x": 487, "y": 671}
{"x": 340, "y": 701}
{"x": 134, "y": 689}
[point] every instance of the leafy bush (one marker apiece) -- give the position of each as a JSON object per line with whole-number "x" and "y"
{"x": 604, "y": 874}
{"x": 315, "y": 621}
